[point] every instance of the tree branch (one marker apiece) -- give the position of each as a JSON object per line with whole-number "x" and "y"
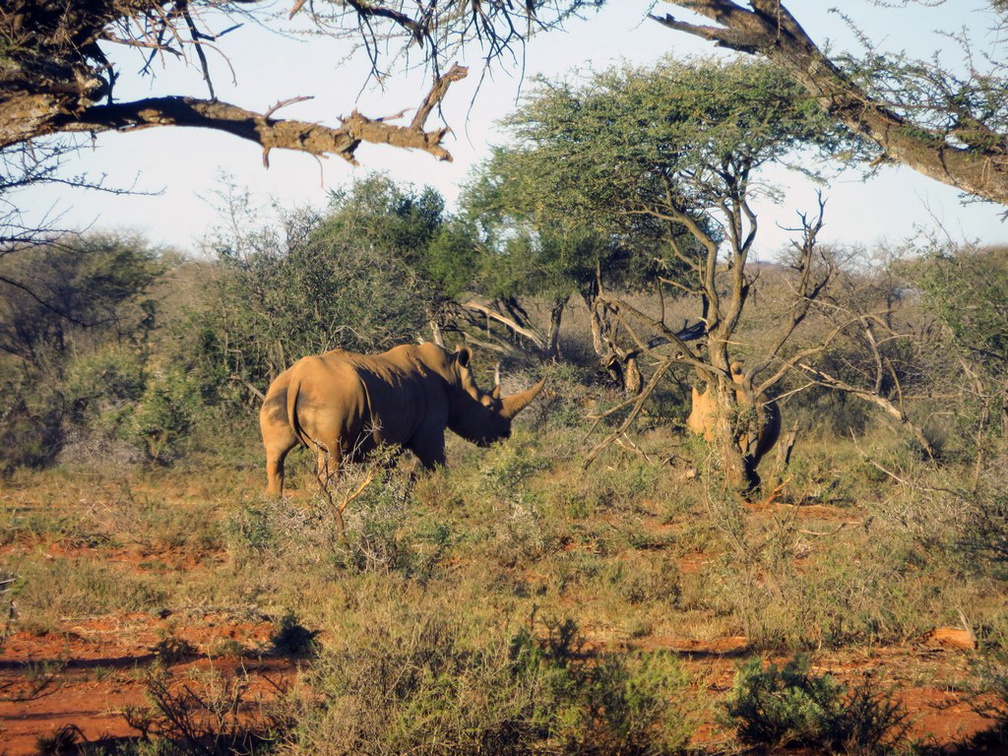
{"x": 769, "y": 29}
{"x": 302, "y": 136}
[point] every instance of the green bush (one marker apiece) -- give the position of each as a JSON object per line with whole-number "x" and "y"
{"x": 165, "y": 414}
{"x": 419, "y": 686}
{"x": 790, "y": 706}
{"x": 103, "y": 386}
{"x": 31, "y": 424}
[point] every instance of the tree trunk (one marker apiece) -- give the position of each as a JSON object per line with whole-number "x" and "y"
{"x": 737, "y": 474}
{"x": 553, "y": 336}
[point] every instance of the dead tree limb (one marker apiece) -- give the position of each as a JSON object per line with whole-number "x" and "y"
{"x": 270, "y": 133}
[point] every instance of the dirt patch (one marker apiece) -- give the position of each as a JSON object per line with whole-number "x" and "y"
{"x": 93, "y": 670}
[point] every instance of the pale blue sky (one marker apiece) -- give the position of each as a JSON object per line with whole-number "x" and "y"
{"x": 185, "y": 164}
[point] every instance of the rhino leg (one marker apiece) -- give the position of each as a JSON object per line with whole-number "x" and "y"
{"x": 275, "y": 470}
{"x": 429, "y": 448}
{"x": 278, "y": 439}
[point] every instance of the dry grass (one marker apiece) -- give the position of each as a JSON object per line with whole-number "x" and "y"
{"x": 518, "y": 537}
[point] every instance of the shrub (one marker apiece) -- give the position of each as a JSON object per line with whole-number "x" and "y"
{"x": 165, "y": 413}
{"x": 291, "y": 638}
{"x": 789, "y": 706}
{"x": 31, "y": 425}
{"x": 419, "y": 686}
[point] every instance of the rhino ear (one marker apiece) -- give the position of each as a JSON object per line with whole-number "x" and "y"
{"x": 463, "y": 356}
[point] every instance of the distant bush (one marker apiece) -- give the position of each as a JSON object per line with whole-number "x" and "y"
{"x": 165, "y": 414}
{"x": 72, "y": 341}
{"x": 31, "y": 423}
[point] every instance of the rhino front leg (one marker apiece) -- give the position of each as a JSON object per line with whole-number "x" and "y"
{"x": 429, "y": 448}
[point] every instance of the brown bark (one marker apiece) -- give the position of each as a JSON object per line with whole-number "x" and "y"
{"x": 767, "y": 28}
{"x": 24, "y": 116}
{"x": 556, "y": 317}
{"x": 725, "y": 440}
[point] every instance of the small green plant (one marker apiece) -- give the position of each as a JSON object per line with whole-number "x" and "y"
{"x": 171, "y": 649}
{"x": 227, "y": 647}
{"x": 789, "y": 706}
{"x": 291, "y": 638}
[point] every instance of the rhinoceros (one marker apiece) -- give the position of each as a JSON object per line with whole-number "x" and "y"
{"x": 754, "y": 440}
{"x": 344, "y": 405}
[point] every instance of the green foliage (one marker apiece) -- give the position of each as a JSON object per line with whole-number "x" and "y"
{"x": 614, "y": 150}
{"x": 421, "y": 686}
{"x": 451, "y": 259}
{"x": 102, "y": 385}
{"x": 291, "y": 638}
{"x": 165, "y": 413}
{"x": 628, "y": 126}
{"x": 73, "y": 293}
{"x": 74, "y": 333}
{"x": 966, "y": 288}
{"x": 790, "y": 706}
{"x": 364, "y": 275}
{"x": 32, "y": 416}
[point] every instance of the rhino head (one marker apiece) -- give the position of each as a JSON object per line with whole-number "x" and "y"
{"x": 479, "y": 416}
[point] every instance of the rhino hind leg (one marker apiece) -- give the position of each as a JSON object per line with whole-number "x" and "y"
{"x": 278, "y": 439}
{"x": 275, "y": 470}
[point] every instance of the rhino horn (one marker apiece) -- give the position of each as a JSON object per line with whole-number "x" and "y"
{"x": 512, "y": 405}
{"x": 496, "y": 391}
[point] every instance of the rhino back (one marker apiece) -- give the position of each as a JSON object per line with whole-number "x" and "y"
{"x": 362, "y": 400}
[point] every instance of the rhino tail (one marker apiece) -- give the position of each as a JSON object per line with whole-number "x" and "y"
{"x": 293, "y": 391}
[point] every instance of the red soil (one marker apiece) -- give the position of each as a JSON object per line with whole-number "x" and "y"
{"x": 90, "y": 672}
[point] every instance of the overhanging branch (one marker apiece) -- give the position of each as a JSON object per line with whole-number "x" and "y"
{"x": 302, "y": 136}
{"x": 767, "y": 28}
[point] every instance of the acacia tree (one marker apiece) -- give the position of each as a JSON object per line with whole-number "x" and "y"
{"x": 952, "y": 128}
{"x": 543, "y": 236}
{"x": 680, "y": 145}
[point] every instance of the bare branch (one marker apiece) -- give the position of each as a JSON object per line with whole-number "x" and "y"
{"x": 302, "y": 136}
